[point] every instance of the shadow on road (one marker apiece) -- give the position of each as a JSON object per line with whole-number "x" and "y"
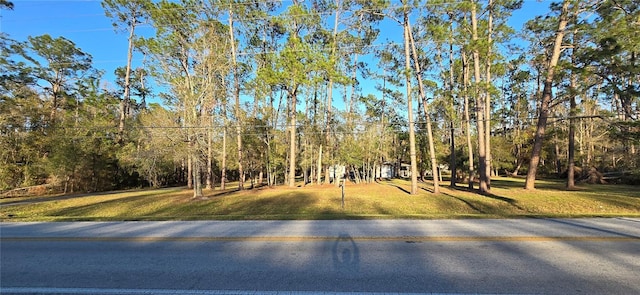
{"x": 345, "y": 253}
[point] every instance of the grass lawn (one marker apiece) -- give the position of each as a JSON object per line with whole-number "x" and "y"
{"x": 386, "y": 199}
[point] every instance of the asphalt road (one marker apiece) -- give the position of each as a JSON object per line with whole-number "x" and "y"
{"x": 525, "y": 256}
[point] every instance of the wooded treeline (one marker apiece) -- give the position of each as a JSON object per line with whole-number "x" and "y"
{"x": 274, "y": 92}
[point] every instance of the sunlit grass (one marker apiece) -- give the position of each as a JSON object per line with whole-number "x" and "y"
{"x": 386, "y": 199}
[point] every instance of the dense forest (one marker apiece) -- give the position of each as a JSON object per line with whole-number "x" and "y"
{"x": 273, "y": 92}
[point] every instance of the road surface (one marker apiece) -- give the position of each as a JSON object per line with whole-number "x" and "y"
{"x": 524, "y": 256}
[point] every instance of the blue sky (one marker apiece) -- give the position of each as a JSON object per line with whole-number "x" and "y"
{"x": 84, "y": 22}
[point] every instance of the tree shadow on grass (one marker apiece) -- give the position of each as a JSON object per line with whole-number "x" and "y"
{"x": 517, "y": 183}
{"x": 247, "y": 205}
{"x": 631, "y": 203}
{"x": 220, "y": 205}
{"x": 35, "y": 200}
{"x": 631, "y": 191}
{"x": 118, "y": 208}
{"x": 390, "y": 183}
{"x": 510, "y": 201}
{"x": 466, "y": 202}
{"x": 212, "y": 194}
{"x": 398, "y": 187}
{"x": 626, "y": 197}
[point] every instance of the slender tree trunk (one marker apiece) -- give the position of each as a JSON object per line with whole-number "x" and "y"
{"x": 197, "y": 182}
{"x": 467, "y": 117}
{"x": 487, "y": 107}
{"x": 186, "y": 121}
{"x": 209, "y": 180}
{"x": 268, "y": 158}
{"x": 517, "y": 169}
{"x": 181, "y": 172}
{"x": 292, "y": 95}
{"x": 319, "y": 171}
{"x": 307, "y": 159}
{"x": 189, "y": 171}
{"x": 480, "y": 106}
{"x": 381, "y": 139}
{"x": 312, "y": 169}
{"x": 546, "y": 99}
{"x": 556, "y": 147}
{"x": 193, "y": 118}
{"x": 571, "y": 184}
{"x": 55, "y": 88}
{"x": 223, "y": 164}
{"x": 518, "y": 147}
{"x": 425, "y": 107}
{"x": 143, "y": 96}
{"x": 327, "y": 131}
{"x": 354, "y": 76}
{"x": 126, "y": 100}
{"x": 236, "y": 94}
{"x": 292, "y": 136}
{"x": 452, "y": 150}
{"x": 412, "y": 134}
{"x": 571, "y": 166}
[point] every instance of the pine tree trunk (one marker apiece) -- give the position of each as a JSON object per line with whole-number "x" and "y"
{"x": 487, "y": 108}
{"x": 223, "y": 164}
{"x": 329, "y": 106}
{"x": 189, "y": 172}
{"x": 209, "y": 180}
{"x": 452, "y": 150}
{"x": 412, "y": 135}
{"x": 319, "y": 172}
{"x": 327, "y": 175}
{"x": 55, "y": 88}
{"x": 292, "y": 138}
{"x": 556, "y": 150}
{"x": 425, "y": 107}
{"x": 143, "y": 98}
{"x": 236, "y": 94}
{"x": 480, "y": 108}
{"x": 126, "y": 99}
{"x": 571, "y": 184}
{"x": 197, "y": 182}
{"x": 467, "y": 119}
{"x": 546, "y": 99}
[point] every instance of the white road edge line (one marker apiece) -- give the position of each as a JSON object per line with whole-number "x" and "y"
{"x": 100, "y": 291}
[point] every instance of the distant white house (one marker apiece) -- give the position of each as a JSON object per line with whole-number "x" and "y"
{"x": 386, "y": 170}
{"x": 405, "y": 170}
{"x": 337, "y": 170}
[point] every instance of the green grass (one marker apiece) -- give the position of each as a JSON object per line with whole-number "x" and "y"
{"x": 387, "y": 199}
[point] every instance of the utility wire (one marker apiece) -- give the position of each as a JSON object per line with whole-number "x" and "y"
{"x": 302, "y": 126}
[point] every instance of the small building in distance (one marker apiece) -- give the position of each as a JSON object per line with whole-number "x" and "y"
{"x": 386, "y": 170}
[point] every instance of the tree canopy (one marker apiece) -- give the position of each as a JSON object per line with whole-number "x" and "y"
{"x": 312, "y": 92}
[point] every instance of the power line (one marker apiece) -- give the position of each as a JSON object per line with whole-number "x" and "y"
{"x": 325, "y": 49}
{"x": 302, "y": 126}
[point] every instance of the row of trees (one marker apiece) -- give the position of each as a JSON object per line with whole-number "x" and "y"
{"x": 249, "y": 92}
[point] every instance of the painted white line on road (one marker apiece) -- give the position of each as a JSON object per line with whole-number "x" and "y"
{"x": 101, "y": 291}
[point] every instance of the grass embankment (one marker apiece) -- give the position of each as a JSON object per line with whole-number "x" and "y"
{"x": 387, "y": 199}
